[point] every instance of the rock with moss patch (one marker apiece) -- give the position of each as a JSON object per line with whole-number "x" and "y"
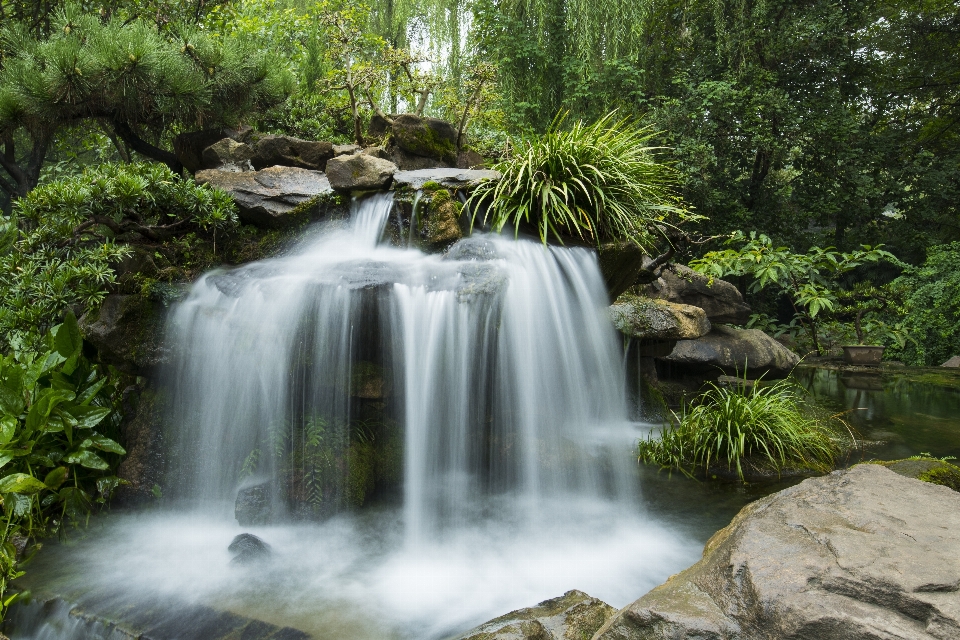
{"x": 927, "y": 469}
{"x": 651, "y": 319}
{"x": 733, "y": 351}
{"x": 862, "y": 553}
{"x": 360, "y": 172}
{"x": 426, "y": 137}
{"x": 141, "y": 434}
{"x": 275, "y": 197}
{"x": 127, "y": 332}
{"x": 573, "y": 616}
{"x": 722, "y": 302}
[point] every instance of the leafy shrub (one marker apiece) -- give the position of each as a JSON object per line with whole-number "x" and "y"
{"x": 597, "y": 181}
{"x": 58, "y": 248}
{"x": 764, "y": 427}
{"x": 57, "y": 453}
{"x": 933, "y": 317}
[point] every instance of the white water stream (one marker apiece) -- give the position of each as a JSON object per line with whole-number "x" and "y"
{"x": 505, "y": 378}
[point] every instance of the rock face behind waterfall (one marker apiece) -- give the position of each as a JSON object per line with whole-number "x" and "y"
{"x": 863, "y": 553}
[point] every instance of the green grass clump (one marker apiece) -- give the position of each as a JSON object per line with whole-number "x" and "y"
{"x": 599, "y": 181}
{"x": 761, "y": 427}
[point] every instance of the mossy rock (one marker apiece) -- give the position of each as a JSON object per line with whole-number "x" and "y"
{"x": 426, "y": 137}
{"x": 926, "y": 469}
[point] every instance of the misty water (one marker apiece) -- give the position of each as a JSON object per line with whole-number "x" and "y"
{"x": 519, "y": 477}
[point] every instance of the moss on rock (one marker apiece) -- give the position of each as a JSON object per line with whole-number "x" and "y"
{"x": 927, "y": 469}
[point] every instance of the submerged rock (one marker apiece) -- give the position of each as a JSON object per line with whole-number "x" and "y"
{"x": 572, "y": 616}
{"x": 734, "y": 351}
{"x": 248, "y": 548}
{"x": 862, "y": 553}
{"x": 651, "y": 319}
{"x": 274, "y": 197}
{"x": 360, "y": 171}
{"x": 722, "y": 302}
{"x": 254, "y": 505}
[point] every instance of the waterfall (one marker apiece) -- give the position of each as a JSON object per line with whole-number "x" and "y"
{"x": 475, "y": 397}
{"x": 506, "y": 374}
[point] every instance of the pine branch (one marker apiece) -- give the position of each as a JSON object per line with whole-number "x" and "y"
{"x": 143, "y": 147}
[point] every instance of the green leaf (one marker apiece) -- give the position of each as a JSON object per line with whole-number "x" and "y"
{"x": 21, "y": 483}
{"x": 56, "y": 477}
{"x": 88, "y": 417}
{"x": 68, "y": 340}
{"x": 88, "y": 459}
{"x": 8, "y": 428}
{"x": 106, "y": 444}
{"x": 5, "y": 457}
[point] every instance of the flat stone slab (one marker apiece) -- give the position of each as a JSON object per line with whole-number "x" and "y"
{"x": 265, "y": 198}
{"x": 862, "y": 553}
{"x": 450, "y": 178}
{"x": 952, "y": 362}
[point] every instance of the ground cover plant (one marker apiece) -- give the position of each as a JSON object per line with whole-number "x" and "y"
{"x": 744, "y": 429}
{"x": 592, "y": 181}
{"x": 58, "y": 446}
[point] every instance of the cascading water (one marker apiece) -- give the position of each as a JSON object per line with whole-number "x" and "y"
{"x": 497, "y": 368}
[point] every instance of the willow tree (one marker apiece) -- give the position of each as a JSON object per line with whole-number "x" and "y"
{"x": 140, "y": 82}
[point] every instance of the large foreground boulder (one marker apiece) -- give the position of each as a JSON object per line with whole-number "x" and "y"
{"x": 572, "y": 616}
{"x": 360, "y": 172}
{"x": 652, "y": 319}
{"x": 272, "y": 198}
{"x": 721, "y": 300}
{"x": 859, "y": 554}
{"x": 733, "y": 351}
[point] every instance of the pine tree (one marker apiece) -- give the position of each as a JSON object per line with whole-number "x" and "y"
{"x": 141, "y": 82}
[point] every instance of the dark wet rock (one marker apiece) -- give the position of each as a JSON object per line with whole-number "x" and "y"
{"x": 620, "y": 265}
{"x": 862, "y": 553}
{"x": 572, "y": 616}
{"x": 451, "y": 178}
{"x": 248, "y": 548}
{"x": 721, "y": 300}
{"x": 228, "y": 155}
{"x": 425, "y": 137}
{"x": 127, "y": 332}
{"x": 651, "y": 319}
{"x": 275, "y": 197}
{"x": 188, "y": 147}
{"x": 411, "y": 162}
{"x": 734, "y": 351}
{"x": 286, "y": 151}
{"x": 927, "y": 469}
{"x": 141, "y": 434}
{"x": 255, "y": 504}
{"x": 360, "y": 172}
{"x": 469, "y": 159}
{"x": 368, "y": 381}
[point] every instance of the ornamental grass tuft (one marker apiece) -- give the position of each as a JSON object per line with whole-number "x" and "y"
{"x": 596, "y": 182}
{"x": 767, "y": 427}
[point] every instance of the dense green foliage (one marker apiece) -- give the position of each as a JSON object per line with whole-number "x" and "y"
{"x": 58, "y": 447}
{"x": 58, "y": 250}
{"x": 599, "y": 181}
{"x": 818, "y": 122}
{"x": 748, "y": 429}
{"x": 809, "y": 281}
{"x": 139, "y": 81}
{"x": 933, "y": 304}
